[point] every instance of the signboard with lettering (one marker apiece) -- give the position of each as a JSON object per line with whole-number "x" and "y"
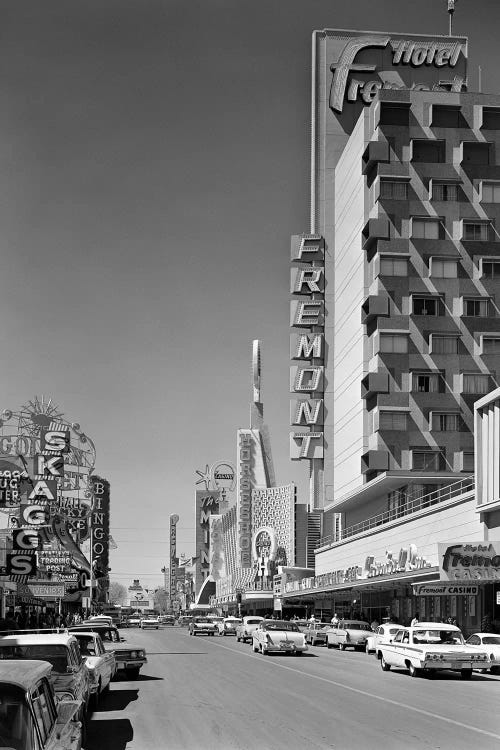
{"x": 47, "y": 589}
{"x": 174, "y": 518}
{"x": 471, "y": 561}
{"x": 206, "y": 505}
{"x": 445, "y": 589}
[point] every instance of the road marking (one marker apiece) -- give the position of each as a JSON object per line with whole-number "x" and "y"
{"x": 406, "y": 706}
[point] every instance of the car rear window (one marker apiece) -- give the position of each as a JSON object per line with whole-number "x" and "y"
{"x": 14, "y": 717}
{"x": 55, "y": 654}
{"x": 281, "y": 626}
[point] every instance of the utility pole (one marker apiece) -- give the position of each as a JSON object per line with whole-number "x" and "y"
{"x": 451, "y": 10}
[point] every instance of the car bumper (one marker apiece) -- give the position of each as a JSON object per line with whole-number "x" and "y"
{"x": 286, "y": 648}
{"x": 124, "y": 663}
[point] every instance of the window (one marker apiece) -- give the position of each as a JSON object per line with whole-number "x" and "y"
{"x": 490, "y": 192}
{"x": 490, "y": 269}
{"x": 467, "y": 461}
{"x": 476, "y": 383}
{"x": 446, "y": 117}
{"x": 427, "y": 151}
{"x": 491, "y": 344}
{"x": 427, "y": 229}
{"x": 393, "y": 420}
{"x": 444, "y": 191}
{"x": 476, "y": 308}
{"x": 393, "y": 266}
{"x": 427, "y": 306}
{"x": 427, "y": 382}
{"x": 443, "y": 269}
{"x": 491, "y": 118}
{"x": 475, "y": 231}
{"x": 476, "y": 153}
{"x": 444, "y": 344}
{"x": 426, "y": 460}
{"x": 390, "y": 115}
{"x": 393, "y": 343}
{"x": 443, "y": 422}
{"x": 394, "y": 189}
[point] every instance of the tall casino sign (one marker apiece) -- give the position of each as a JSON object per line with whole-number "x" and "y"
{"x": 100, "y": 536}
{"x": 307, "y": 350}
{"x": 207, "y": 505}
{"x": 174, "y": 518}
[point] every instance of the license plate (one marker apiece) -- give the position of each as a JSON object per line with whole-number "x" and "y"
{"x": 286, "y": 645}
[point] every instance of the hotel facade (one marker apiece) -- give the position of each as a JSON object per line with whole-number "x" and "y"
{"x": 396, "y": 330}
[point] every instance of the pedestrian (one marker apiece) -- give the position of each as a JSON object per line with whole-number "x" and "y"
{"x": 312, "y": 618}
{"x": 375, "y": 623}
{"x": 415, "y": 620}
{"x": 335, "y": 621}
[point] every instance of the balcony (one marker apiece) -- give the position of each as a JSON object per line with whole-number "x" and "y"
{"x": 374, "y": 152}
{"x": 374, "y": 382}
{"x": 375, "y": 229}
{"x": 373, "y": 306}
{"x": 374, "y": 460}
{"x": 408, "y": 508}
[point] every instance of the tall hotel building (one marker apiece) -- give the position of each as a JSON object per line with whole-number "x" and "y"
{"x": 401, "y": 289}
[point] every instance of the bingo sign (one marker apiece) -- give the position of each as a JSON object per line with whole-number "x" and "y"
{"x": 174, "y": 518}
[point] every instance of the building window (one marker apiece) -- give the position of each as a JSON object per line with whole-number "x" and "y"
{"x": 425, "y": 150}
{"x": 393, "y": 420}
{"x": 427, "y": 305}
{"x": 490, "y": 192}
{"x": 476, "y": 308}
{"x": 442, "y": 422}
{"x": 390, "y": 115}
{"x": 393, "y": 343}
{"x": 444, "y": 344}
{"x": 467, "y": 461}
{"x": 393, "y": 266}
{"x": 476, "y": 383}
{"x": 491, "y": 118}
{"x": 491, "y": 345}
{"x": 446, "y": 117}
{"x": 426, "y": 460}
{"x": 394, "y": 189}
{"x": 475, "y": 231}
{"x": 490, "y": 269}
{"x": 427, "y": 382}
{"x": 443, "y": 269}
{"x": 444, "y": 191}
{"x": 427, "y": 229}
{"x": 476, "y": 153}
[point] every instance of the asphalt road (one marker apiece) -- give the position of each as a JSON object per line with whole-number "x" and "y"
{"x": 204, "y": 693}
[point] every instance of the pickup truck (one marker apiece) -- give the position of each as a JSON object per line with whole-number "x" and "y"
{"x": 430, "y": 646}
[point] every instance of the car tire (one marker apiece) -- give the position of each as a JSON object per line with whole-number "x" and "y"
{"x": 414, "y": 671}
{"x": 255, "y": 650}
{"x": 367, "y": 649}
{"x": 94, "y": 699}
{"x": 385, "y": 667}
{"x": 495, "y": 670}
{"x": 466, "y": 674}
{"x": 299, "y": 653}
{"x": 329, "y": 645}
{"x": 263, "y": 650}
{"x": 341, "y": 646}
{"x": 133, "y": 673}
{"x": 237, "y": 639}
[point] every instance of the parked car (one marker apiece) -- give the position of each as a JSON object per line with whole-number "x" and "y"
{"x": 134, "y": 621}
{"x": 30, "y": 714}
{"x": 150, "y": 622}
{"x": 349, "y": 633}
{"x": 316, "y": 632}
{"x": 431, "y": 646}
{"x": 100, "y": 663}
{"x": 167, "y": 620}
{"x": 490, "y": 642}
{"x": 129, "y": 658}
{"x": 383, "y": 634}
{"x": 69, "y": 676}
{"x": 200, "y": 625}
{"x": 106, "y": 619}
{"x": 278, "y": 635}
{"x": 246, "y": 627}
{"x": 228, "y": 625}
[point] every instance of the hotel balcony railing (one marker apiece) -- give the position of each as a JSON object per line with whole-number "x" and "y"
{"x": 408, "y": 508}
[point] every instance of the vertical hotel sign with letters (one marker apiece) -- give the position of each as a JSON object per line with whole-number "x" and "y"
{"x": 207, "y": 505}
{"x": 174, "y": 518}
{"x": 307, "y": 347}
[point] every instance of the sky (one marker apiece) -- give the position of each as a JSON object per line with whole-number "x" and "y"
{"x": 154, "y": 163}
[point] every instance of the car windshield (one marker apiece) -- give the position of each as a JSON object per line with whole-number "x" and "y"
{"x": 491, "y": 640}
{"x": 356, "y": 626}
{"x": 56, "y": 654}
{"x": 253, "y": 622}
{"x": 14, "y": 718}
{"x": 322, "y": 625}
{"x": 437, "y": 636}
{"x": 202, "y": 619}
{"x": 281, "y": 626}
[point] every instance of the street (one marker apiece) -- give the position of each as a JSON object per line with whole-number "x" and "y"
{"x": 212, "y": 692}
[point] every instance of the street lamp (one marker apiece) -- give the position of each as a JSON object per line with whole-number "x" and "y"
{"x": 451, "y": 10}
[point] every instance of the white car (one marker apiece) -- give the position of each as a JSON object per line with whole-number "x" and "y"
{"x": 246, "y": 627}
{"x": 228, "y": 625}
{"x": 100, "y": 663}
{"x": 383, "y": 634}
{"x": 150, "y": 622}
{"x": 431, "y": 646}
{"x": 490, "y": 642}
{"x": 278, "y": 635}
{"x": 349, "y": 633}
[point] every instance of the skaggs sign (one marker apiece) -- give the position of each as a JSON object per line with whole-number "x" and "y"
{"x": 369, "y": 62}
